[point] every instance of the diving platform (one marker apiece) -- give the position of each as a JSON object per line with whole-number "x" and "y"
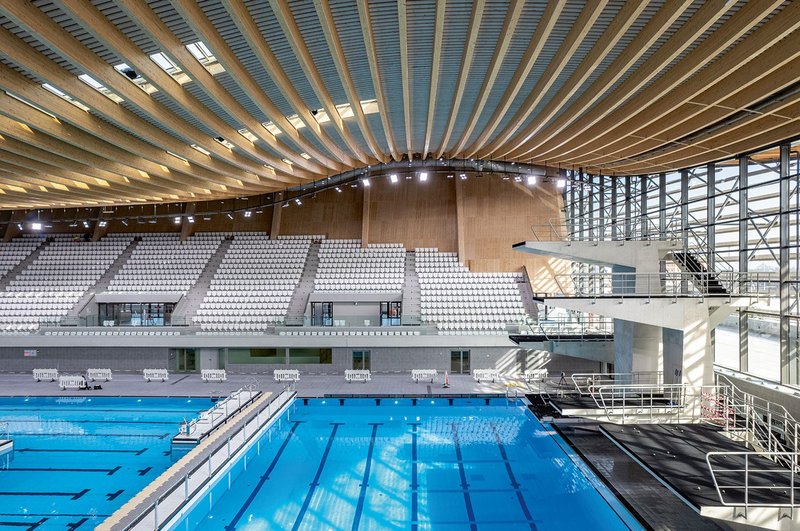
{"x": 193, "y": 431}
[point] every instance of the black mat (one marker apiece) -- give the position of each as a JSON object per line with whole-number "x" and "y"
{"x": 677, "y": 454}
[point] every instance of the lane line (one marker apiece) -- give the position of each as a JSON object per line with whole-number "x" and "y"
{"x": 315, "y": 481}
{"x": 263, "y": 479}
{"x": 414, "y": 483}
{"x": 514, "y": 483}
{"x": 363, "y": 494}
{"x": 462, "y": 472}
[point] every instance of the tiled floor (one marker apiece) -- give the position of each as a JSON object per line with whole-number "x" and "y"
{"x": 309, "y": 386}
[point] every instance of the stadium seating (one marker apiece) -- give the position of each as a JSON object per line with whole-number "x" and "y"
{"x": 459, "y": 301}
{"x": 253, "y": 286}
{"x": 17, "y": 250}
{"x": 164, "y": 263}
{"x": 344, "y": 266}
{"x": 49, "y": 287}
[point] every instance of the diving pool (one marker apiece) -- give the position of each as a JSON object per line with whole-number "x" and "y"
{"x": 77, "y": 459}
{"x": 440, "y": 464}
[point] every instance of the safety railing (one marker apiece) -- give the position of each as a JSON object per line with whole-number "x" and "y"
{"x": 586, "y": 383}
{"x": 223, "y": 410}
{"x": 621, "y": 229}
{"x": 624, "y": 403}
{"x": 739, "y": 478}
{"x": 622, "y": 285}
{"x": 188, "y": 483}
{"x": 575, "y": 327}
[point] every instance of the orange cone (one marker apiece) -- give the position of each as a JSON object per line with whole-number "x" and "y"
{"x": 446, "y": 380}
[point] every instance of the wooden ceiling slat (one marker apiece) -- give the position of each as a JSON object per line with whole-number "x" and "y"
{"x": 463, "y": 76}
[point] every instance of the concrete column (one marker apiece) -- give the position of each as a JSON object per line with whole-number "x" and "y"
{"x": 688, "y": 357}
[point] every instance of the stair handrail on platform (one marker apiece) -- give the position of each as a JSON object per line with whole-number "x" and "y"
{"x": 664, "y": 284}
{"x": 780, "y": 480}
{"x": 651, "y": 402}
{"x": 587, "y": 229}
{"x": 587, "y": 383}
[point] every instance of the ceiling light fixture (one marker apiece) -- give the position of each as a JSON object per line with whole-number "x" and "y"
{"x": 423, "y": 176}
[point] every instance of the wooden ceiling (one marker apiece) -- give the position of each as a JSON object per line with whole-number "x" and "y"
{"x": 225, "y": 98}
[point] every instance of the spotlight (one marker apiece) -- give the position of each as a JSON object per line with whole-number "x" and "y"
{"x": 560, "y": 183}
{"x": 103, "y": 223}
{"x": 365, "y": 182}
{"x": 36, "y": 226}
{"x": 74, "y": 224}
{"x": 86, "y": 224}
{"x": 190, "y": 219}
{"x": 19, "y": 226}
{"x": 338, "y": 189}
{"x": 125, "y": 222}
{"x": 531, "y": 179}
{"x": 463, "y": 176}
{"x": 423, "y": 176}
{"x": 247, "y": 213}
{"x": 230, "y": 216}
{"x": 517, "y": 179}
{"x": 297, "y": 200}
{"x": 393, "y": 177}
{"x": 177, "y": 220}
{"x": 284, "y": 205}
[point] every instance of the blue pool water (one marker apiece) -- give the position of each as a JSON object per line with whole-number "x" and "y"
{"x": 434, "y": 465}
{"x": 77, "y": 459}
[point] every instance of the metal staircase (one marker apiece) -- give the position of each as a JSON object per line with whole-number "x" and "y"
{"x": 706, "y": 281}
{"x": 295, "y": 314}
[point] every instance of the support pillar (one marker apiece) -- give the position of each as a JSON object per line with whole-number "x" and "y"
{"x": 460, "y": 230}
{"x": 187, "y": 228}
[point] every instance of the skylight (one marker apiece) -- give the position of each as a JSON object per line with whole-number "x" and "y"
{"x": 99, "y": 87}
{"x": 64, "y": 96}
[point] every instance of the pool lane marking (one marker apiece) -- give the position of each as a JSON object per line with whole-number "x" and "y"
{"x": 315, "y": 481}
{"x": 79, "y": 450}
{"x": 161, "y": 436}
{"x": 363, "y": 494}
{"x": 462, "y": 472}
{"x": 263, "y": 478}
{"x": 414, "y": 484}
{"x": 29, "y": 525}
{"x": 514, "y": 483}
{"x": 107, "y": 471}
{"x": 71, "y": 495}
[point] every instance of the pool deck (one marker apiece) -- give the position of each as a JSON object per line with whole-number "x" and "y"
{"x": 309, "y": 386}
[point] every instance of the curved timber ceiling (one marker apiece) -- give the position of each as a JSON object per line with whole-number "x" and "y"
{"x": 128, "y": 101}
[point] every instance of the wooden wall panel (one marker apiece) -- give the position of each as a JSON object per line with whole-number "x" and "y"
{"x": 414, "y": 213}
{"x": 499, "y": 213}
{"x": 337, "y": 215}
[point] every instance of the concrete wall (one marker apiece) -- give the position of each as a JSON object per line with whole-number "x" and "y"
{"x": 508, "y": 361}
{"x": 80, "y": 359}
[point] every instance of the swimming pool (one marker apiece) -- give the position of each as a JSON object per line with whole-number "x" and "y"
{"x": 368, "y": 464}
{"x": 77, "y": 459}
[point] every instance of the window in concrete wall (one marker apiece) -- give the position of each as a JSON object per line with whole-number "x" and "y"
{"x": 315, "y": 356}
{"x": 273, "y": 356}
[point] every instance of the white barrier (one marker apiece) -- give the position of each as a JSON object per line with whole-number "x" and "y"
{"x": 485, "y": 374}
{"x": 98, "y": 374}
{"x": 357, "y": 375}
{"x": 45, "y": 374}
{"x": 213, "y": 375}
{"x": 423, "y": 374}
{"x": 156, "y": 374}
{"x": 72, "y": 381}
{"x": 535, "y": 375}
{"x": 286, "y": 375}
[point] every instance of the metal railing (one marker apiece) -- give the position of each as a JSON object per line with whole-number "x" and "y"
{"x": 181, "y": 490}
{"x": 575, "y": 327}
{"x": 586, "y": 383}
{"x": 736, "y": 480}
{"x": 622, "y": 285}
{"x": 220, "y": 412}
{"x": 622, "y": 229}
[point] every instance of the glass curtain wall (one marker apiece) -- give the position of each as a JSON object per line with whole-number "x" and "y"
{"x": 741, "y": 214}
